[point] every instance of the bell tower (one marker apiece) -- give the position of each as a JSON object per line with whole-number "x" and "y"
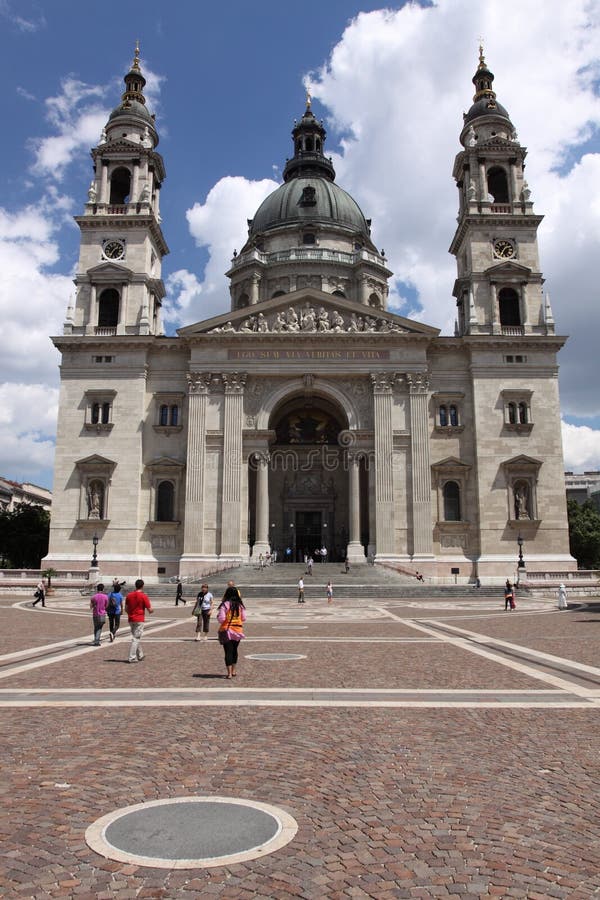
{"x": 119, "y": 289}
{"x": 499, "y": 288}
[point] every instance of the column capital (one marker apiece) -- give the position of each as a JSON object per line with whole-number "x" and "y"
{"x": 418, "y": 382}
{"x": 199, "y": 382}
{"x": 234, "y": 382}
{"x": 259, "y": 459}
{"x": 383, "y": 382}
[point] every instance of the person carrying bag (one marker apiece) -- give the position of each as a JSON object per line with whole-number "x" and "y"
{"x": 231, "y": 615}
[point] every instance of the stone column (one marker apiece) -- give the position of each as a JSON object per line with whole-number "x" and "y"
{"x": 383, "y": 383}
{"x": 355, "y": 550}
{"x": 231, "y": 513}
{"x": 525, "y": 307}
{"x": 496, "y": 327}
{"x": 104, "y": 198}
{"x": 135, "y": 183}
{"x": 254, "y": 296}
{"x": 193, "y": 534}
{"x": 418, "y": 387}
{"x": 261, "y": 461}
{"x": 90, "y": 328}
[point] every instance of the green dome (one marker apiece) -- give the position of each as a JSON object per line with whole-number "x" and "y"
{"x": 307, "y": 199}
{"x": 132, "y": 108}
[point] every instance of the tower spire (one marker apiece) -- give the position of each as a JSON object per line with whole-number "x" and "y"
{"x": 134, "y": 81}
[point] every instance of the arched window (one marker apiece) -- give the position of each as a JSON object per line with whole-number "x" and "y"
{"x": 108, "y": 308}
{"x": 278, "y": 294}
{"x": 451, "y": 502}
{"x": 508, "y": 305}
{"x": 163, "y": 418}
{"x": 309, "y": 238}
{"x": 120, "y": 186}
{"x": 443, "y": 416}
{"x": 498, "y": 184}
{"x": 317, "y": 145}
{"x": 523, "y": 417}
{"x": 165, "y": 496}
{"x": 105, "y": 413}
{"x": 453, "y": 415}
{"x": 309, "y": 144}
{"x": 174, "y": 416}
{"x": 512, "y": 414}
{"x": 339, "y": 294}
{"x": 95, "y": 415}
{"x": 374, "y": 301}
{"x": 244, "y": 300}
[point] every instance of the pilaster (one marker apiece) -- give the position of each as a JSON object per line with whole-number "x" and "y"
{"x": 383, "y": 384}
{"x": 418, "y": 387}
{"x": 233, "y": 383}
{"x": 198, "y": 390}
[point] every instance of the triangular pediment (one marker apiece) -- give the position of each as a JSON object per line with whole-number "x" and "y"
{"x": 522, "y": 462}
{"x": 308, "y": 311}
{"x": 508, "y": 269}
{"x": 165, "y": 463}
{"x": 450, "y": 463}
{"x": 110, "y": 271}
{"x": 95, "y": 460}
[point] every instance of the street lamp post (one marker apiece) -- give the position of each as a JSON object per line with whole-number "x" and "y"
{"x": 521, "y": 562}
{"x": 94, "y": 562}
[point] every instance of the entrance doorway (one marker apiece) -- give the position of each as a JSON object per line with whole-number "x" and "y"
{"x": 308, "y": 532}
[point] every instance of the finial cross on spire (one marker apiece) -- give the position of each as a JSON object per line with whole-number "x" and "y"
{"x": 481, "y": 56}
{"x": 136, "y": 56}
{"x": 308, "y": 98}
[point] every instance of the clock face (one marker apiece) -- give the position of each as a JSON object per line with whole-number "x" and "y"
{"x": 114, "y": 249}
{"x": 504, "y": 249}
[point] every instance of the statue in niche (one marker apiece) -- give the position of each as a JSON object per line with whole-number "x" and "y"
{"x": 521, "y": 501}
{"x": 471, "y": 136}
{"x": 472, "y": 191}
{"x": 94, "y": 499}
{"x": 145, "y": 194}
{"x": 92, "y": 193}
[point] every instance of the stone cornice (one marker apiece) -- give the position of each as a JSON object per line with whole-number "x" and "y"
{"x": 123, "y": 221}
{"x": 486, "y": 219}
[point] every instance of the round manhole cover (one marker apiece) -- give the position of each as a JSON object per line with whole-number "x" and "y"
{"x": 274, "y": 656}
{"x": 191, "y": 832}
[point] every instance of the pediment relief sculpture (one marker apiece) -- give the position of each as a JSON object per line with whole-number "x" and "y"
{"x": 310, "y": 320}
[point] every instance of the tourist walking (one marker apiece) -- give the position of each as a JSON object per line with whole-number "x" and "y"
{"x": 136, "y": 604}
{"x": 203, "y": 610}
{"x": 40, "y": 593}
{"x": 301, "y": 590}
{"x": 329, "y": 590}
{"x": 231, "y": 615}
{"x": 346, "y": 565}
{"x": 562, "y": 597}
{"x": 509, "y": 596}
{"x": 179, "y": 593}
{"x": 98, "y": 604}
{"x": 309, "y": 565}
{"x": 114, "y": 608}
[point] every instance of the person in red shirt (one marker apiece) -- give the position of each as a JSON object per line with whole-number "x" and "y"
{"x": 136, "y": 604}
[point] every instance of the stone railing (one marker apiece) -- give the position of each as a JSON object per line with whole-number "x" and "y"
{"x": 314, "y": 254}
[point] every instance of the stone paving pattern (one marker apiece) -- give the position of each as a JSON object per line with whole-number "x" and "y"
{"x": 390, "y": 803}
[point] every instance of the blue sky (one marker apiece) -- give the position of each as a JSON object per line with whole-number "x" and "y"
{"x": 226, "y": 81}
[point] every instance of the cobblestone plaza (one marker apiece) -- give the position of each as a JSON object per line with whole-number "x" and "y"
{"x": 424, "y": 748}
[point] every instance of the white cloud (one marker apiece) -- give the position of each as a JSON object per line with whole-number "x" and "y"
{"x": 220, "y": 224}
{"x": 581, "y": 447}
{"x": 27, "y": 428}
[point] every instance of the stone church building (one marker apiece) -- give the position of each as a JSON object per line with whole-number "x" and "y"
{"x": 309, "y": 415}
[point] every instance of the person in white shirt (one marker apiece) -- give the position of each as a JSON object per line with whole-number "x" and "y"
{"x": 301, "y": 591}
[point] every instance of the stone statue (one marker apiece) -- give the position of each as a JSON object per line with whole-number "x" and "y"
{"x": 145, "y": 194}
{"x": 472, "y": 191}
{"x": 92, "y": 193}
{"x": 309, "y": 322}
{"x": 323, "y": 320}
{"x": 526, "y": 193}
{"x": 292, "y": 320}
{"x": 280, "y": 323}
{"x": 247, "y": 325}
{"x": 370, "y": 324}
{"x": 262, "y": 325}
{"x": 337, "y": 321}
{"x": 94, "y": 501}
{"x": 353, "y": 326}
{"x": 471, "y": 137}
{"x": 102, "y": 137}
{"x": 227, "y": 328}
{"x": 521, "y": 502}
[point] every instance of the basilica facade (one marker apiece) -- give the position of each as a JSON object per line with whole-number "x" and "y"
{"x": 309, "y": 415}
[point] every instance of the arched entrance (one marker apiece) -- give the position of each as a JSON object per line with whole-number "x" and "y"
{"x": 308, "y": 476}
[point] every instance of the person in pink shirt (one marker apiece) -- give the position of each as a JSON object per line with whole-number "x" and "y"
{"x": 136, "y": 604}
{"x": 98, "y": 605}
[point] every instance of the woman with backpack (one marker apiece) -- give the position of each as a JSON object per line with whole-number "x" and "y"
{"x": 231, "y": 615}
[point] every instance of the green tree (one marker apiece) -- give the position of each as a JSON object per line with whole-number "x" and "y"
{"x": 584, "y": 533}
{"x": 24, "y": 536}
